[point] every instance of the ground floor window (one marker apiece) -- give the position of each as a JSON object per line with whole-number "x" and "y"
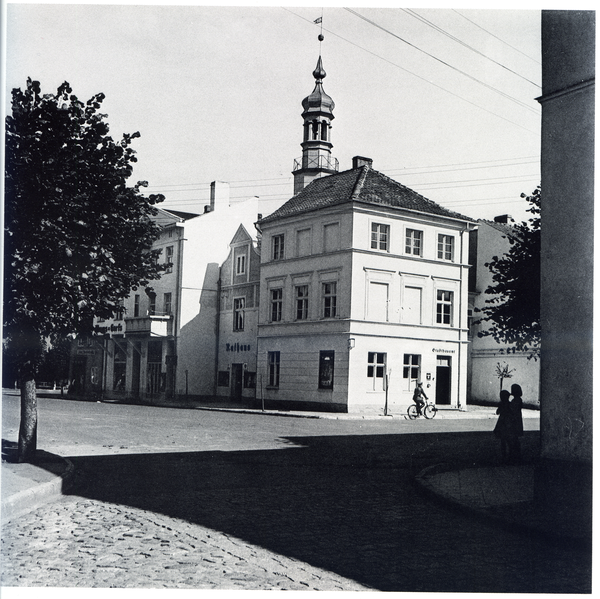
{"x": 412, "y": 367}
{"x": 326, "y": 362}
{"x": 249, "y": 380}
{"x": 376, "y": 369}
{"x": 119, "y": 368}
{"x": 223, "y": 378}
{"x": 273, "y": 368}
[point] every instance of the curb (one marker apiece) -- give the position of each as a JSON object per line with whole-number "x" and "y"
{"x": 579, "y": 543}
{"x": 26, "y": 501}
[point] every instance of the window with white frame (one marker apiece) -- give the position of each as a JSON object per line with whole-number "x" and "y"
{"x": 414, "y": 242}
{"x": 380, "y": 237}
{"x": 277, "y": 247}
{"x": 273, "y": 362}
{"x": 239, "y": 306}
{"x": 276, "y": 304}
{"x": 445, "y": 247}
{"x": 301, "y": 302}
{"x": 411, "y": 369}
{"x": 376, "y": 369}
{"x": 411, "y": 308}
{"x": 329, "y": 299}
{"x": 444, "y": 304}
{"x": 378, "y": 301}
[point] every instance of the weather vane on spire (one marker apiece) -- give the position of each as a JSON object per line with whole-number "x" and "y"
{"x": 321, "y": 36}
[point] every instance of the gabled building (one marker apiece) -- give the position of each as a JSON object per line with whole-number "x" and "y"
{"x": 363, "y": 288}
{"x": 164, "y": 343}
{"x": 487, "y": 357}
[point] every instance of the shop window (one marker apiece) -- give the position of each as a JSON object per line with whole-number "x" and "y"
{"x": 223, "y": 378}
{"x": 119, "y": 368}
{"x": 249, "y": 380}
{"x": 273, "y": 362}
{"x": 414, "y": 242}
{"x": 326, "y": 363}
{"x": 445, "y": 300}
{"x": 380, "y": 236}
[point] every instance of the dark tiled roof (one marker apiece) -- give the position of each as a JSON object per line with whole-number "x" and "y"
{"x": 362, "y": 184}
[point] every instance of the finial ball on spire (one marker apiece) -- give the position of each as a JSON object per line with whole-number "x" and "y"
{"x": 321, "y": 37}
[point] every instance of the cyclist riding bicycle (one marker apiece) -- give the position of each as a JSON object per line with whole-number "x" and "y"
{"x": 418, "y": 397}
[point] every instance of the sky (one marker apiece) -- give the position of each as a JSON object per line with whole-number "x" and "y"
{"x": 442, "y": 100}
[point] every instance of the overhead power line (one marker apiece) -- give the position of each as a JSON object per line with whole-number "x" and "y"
{"x": 418, "y": 76}
{"x": 421, "y": 18}
{"x": 495, "y": 36}
{"x": 447, "y": 64}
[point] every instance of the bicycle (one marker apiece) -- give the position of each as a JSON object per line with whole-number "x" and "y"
{"x": 428, "y": 410}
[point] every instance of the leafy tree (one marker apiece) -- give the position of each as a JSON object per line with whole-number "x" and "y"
{"x": 513, "y": 309}
{"x": 77, "y": 238}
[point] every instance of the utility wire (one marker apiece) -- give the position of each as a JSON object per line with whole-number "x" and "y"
{"x": 495, "y": 36}
{"x": 421, "y": 18}
{"x": 417, "y": 76}
{"x": 447, "y": 64}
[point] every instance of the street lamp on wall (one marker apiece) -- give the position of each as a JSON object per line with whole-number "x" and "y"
{"x": 351, "y": 342}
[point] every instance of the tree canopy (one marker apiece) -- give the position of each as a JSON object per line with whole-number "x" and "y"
{"x": 513, "y": 310}
{"x": 77, "y": 238}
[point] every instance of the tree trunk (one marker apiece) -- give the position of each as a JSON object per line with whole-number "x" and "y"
{"x": 28, "y": 427}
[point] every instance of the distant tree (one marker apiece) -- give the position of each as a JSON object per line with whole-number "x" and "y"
{"x": 76, "y": 237}
{"x": 513, "y": 309}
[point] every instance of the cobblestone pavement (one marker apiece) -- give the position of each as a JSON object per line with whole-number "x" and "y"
{"x": 338, "y": 513}
{"x": 83, "y": 543}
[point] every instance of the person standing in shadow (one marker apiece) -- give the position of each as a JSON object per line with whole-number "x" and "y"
{"x": 505, "y": 428}
{"x": 516, "y": 406}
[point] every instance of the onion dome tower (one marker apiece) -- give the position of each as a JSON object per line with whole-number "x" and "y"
{"x": 316, "y": 160}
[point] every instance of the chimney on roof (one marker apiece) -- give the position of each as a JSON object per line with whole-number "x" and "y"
{"x": 359, "y": 161}
{"x": 504, "y": 219}
{"x": 219, "y": 195}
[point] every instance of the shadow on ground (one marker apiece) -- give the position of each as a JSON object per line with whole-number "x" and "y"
{"x": 347, "y": 504}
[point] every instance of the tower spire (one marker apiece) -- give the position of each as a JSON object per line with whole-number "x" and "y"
{"x": 316, "y": 160}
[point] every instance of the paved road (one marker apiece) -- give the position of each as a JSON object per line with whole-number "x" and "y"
{"x": 193, "y": 499}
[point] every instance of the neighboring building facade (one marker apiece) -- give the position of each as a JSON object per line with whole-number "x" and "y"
{"x": 163, "y": 344}
{"x": 487, "y": 357}
{"x": 567, "y": 208}
{"x": 238, "y": 319}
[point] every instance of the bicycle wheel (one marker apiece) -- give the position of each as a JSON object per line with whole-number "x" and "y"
{"x": 412, "y": 412}
{"x": 430, "y": 411}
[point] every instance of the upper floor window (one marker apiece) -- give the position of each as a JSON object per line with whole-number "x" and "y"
{"x": 276, "y": 304}
{"x": 303, "y": 242}
{"x": 445, "y": 247}
{"x": 444, "y": 307}
{"x": 151, "y": 304}
{"x": 414, "y": 242}
{"x": 330, "y": 300}
{"x": 240, "y": 264}
{"x": 331, "y": 237}
{"x": 239, "y": 305}
{"x": 380, "y": 237}
{"x": 302, "y": 302}
{"x": 167, "y": 303}
{"x": 120, "y": 311}
{"x": 277, "y": 246}
{"x": 136, "y": 305}
{"x": 169, "y": 256}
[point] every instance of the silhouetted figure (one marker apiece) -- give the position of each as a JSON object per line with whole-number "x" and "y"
{"x": 505, "y": 426}
{"x": 516, "y": 406}
{"x": 418, "y": 397}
